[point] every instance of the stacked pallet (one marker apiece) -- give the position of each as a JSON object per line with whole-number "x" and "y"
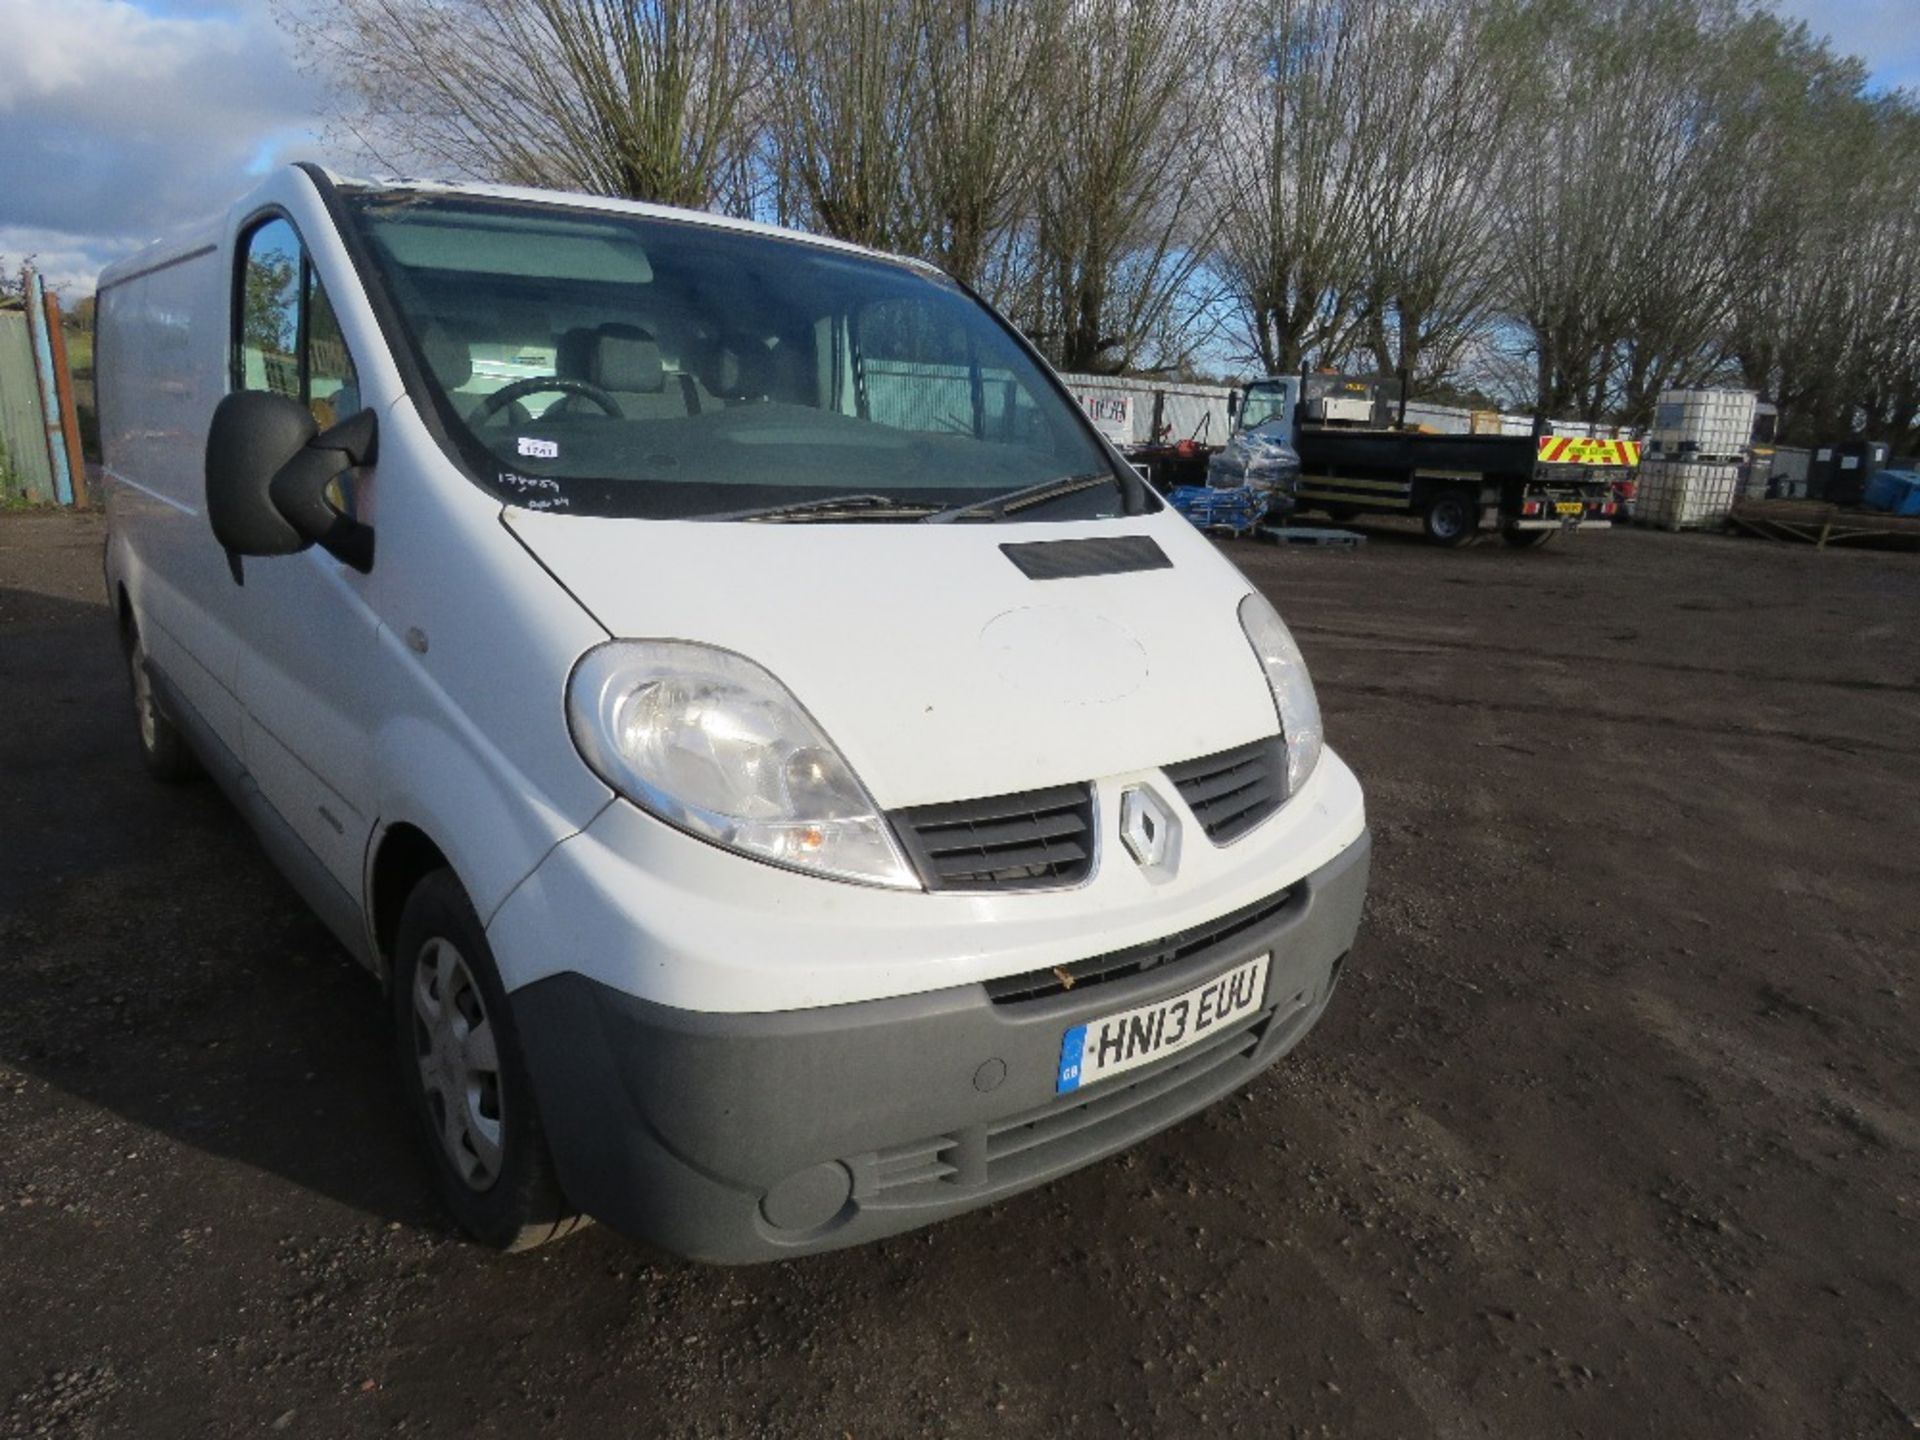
{"x": 1236, "y": 511}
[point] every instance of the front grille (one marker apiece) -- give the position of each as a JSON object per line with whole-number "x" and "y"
{"x": 1064, "y": 1132}
{"x": 1040, "y": 840}
{"x": 1038, "y": 1130}
{"x": 1233, "y": 791}
{"x": 1099, "y": 969}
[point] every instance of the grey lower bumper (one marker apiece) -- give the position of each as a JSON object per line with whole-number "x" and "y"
{"x": 737, "y": 1138}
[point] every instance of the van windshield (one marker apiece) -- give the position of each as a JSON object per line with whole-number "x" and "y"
{"x": 607, "y": 364}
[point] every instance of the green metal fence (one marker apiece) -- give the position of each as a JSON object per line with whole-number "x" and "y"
{"x": 26, "y": 470}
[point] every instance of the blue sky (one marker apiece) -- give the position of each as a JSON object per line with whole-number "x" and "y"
{"x": 125, "y": 119}
{"x": 1885, "y": 33}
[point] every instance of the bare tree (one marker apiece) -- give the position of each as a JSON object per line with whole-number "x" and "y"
{"x": 844, "y": 105}
{"x": 1824, "y": 321}
{"x": 1889, "y": 271}
{"x": 1117, "y": 234}
{"x": 648, "y": 100}
{"x": 1433, "y": 139}
{"x": 979, "y": 153}
{"x": 1289, "y": 184}
{"x": 14, "y": 280}
{"x": 1626, "y": 194}
{"x": 1619, "y": 225}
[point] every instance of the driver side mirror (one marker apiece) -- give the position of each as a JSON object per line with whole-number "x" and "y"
{"x": 269, "y": 467}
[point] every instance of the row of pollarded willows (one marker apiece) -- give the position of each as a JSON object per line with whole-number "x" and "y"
{"x": 1568, "y": 203}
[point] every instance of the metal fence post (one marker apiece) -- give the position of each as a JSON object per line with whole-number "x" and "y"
{"x": 69, "y": 412}
{"x": 49, "y": 389}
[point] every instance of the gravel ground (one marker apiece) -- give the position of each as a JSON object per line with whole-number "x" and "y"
{"x": 1612, "y": 1131}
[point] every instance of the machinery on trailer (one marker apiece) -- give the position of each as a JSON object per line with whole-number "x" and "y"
{"x": 1358, "y": 457}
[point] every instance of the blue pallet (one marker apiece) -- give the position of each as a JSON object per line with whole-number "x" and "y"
{"x": 1238, "y": 511}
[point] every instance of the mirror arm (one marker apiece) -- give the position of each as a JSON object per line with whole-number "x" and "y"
{"x": 358, "y": 435}
{"x": 299, "y": 489}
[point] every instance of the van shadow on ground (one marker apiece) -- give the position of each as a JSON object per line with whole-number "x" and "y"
{"x": 155, "y": 965}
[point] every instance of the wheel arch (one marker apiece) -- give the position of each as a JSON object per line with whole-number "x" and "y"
{"x": 123, "y": 613}
{"x": 403, "y": 855}
{"x": 451, "y": 797}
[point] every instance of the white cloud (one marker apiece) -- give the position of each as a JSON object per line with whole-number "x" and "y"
{"x": 121, "y": 125}
{"x": 69, "y": 263}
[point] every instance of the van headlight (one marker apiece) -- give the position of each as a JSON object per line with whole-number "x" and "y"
{"x": 1292, "y": 688}
{"x": 710, "y": 742}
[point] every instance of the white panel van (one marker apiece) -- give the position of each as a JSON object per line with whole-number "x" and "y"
{"x": 794, "y": 779}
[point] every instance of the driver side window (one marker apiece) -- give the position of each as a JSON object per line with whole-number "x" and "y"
{"x": 287, "y": 339}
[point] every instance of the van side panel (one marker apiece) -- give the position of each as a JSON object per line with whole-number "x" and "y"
{"x": 449, "y": 714}
{"x": 463, "y": 692}
{"x": 477, "y": 642}
{"x": 161, "y": 362}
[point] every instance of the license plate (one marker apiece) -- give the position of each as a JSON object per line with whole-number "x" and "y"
{"x": 1144, "y": 1034}
{"x": 1567, "y": 507}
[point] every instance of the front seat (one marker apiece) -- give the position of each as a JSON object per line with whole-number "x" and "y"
{"x": 742, "y": 370}
{"x": 624, "y": 361}
{"x": 450, "y": 358}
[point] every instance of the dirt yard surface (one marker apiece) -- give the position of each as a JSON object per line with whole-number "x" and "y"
{"x": 1614, "y": 1129}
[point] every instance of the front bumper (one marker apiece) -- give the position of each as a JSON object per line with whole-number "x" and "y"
{"x": 746, "y": 1137}
{"x": 1560, "y": 522}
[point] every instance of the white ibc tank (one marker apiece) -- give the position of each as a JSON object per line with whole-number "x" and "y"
{"x": 1710, "y": 424}
{"x": 1685, "y": 494}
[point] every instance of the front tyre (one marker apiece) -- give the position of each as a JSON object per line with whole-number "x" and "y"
{"x": 465, "y": 1076}
{"x": 1451, "y": 517}
{"x": 163, "y": 749}
{"x": 1527, "y": 539}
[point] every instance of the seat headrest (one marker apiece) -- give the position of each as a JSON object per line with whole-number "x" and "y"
{"x": 742, "y": 369}
{"x": 573, "y": 353}
{"x": 626, "y": 360}
{"x": 447, "y": 354}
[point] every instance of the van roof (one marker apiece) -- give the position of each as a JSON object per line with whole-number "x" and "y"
{"x": 208, "y": 232}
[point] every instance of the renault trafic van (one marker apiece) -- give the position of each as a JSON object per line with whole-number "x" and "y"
{"x": 793, "y": 778}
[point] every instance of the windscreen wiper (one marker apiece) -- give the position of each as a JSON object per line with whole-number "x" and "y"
{"x": 998, "y": 507}
{"x": 833, "y": 507}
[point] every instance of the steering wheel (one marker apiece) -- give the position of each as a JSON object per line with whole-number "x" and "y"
{"x": 544, "y": 385}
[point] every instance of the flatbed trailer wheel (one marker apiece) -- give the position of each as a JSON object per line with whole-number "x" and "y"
{"x": 1527, "y": 539}
{"x": 1451, "y": 517}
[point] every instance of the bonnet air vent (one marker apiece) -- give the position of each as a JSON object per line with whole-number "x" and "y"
{"x": 1076, "y": 559}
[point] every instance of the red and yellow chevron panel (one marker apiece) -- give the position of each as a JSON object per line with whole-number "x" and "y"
{"x": 1579, "y": 450}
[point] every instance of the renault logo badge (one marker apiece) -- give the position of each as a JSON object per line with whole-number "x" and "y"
{"x": 1150, "y": 831}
